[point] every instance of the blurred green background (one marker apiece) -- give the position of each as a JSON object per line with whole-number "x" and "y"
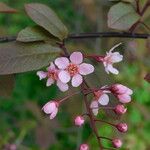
{"x": 21, "y": 119}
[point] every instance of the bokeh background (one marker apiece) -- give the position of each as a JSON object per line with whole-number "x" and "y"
{"x": 21, "y": 119}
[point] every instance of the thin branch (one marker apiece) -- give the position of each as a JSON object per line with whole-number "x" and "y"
{"x": 91, "y": 35}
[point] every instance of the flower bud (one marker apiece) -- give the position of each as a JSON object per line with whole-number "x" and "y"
{"x": 84, "y": 147}
{"x": 117, "y": 143}
{"x": 120, "y": 109}
{"x": 51, "y": 108}
{"x": 122, "y": 127}
{"x": 79, "y": 121}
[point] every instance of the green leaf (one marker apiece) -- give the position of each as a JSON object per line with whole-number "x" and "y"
{"x": 46, "y": 18}
{"x": 6, "y": 9}
{"x": 36, "y": 33}
{"x": 122, "y": 16}
{"x": 18, "y": 57}
{"x": 6, "y": 85}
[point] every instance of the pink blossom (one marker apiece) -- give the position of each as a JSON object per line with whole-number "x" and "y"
{"x": 73, "y": 68}
{"x": 110, "y": 59}
{"x": 79, "y": 121}
{"x": 122, "y": 92}
{"x": 51, "y": 108}
{"x": 84, "y": 147}
{"x": 52, "y": 76}
{"x": 117, "y": 143}
{"x": 101, "y": 98}
{"x": 120, "y": 109}
{"x": 122, "y": 127}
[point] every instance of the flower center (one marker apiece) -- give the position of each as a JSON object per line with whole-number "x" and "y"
{"x": 72, "y": 69}
{"x": 53, "y": 75}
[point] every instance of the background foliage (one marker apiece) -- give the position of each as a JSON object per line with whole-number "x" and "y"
{"x": 22, "y": 122}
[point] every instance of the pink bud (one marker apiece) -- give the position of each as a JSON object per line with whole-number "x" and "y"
{"x": 120, "y": 109}
{"x": 122, "y": 92}
{"x": 51, "y": 108}
{"x": 79, "y": 121}
{"x": 122, "y": 127}
{"x": 84, "y": 147}
{"x": 117, "y": 143}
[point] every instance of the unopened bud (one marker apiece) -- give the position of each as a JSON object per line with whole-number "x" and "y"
{"x": 79, "y": 121}
{"x": 84, "y": 147}
{"x": 122, "y": 127}
{"x": 120, "y": 109}
{"x": 117, "y": 143}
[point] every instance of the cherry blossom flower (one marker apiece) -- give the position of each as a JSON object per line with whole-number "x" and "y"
{"x": 52, "y": 76}
{"x": 117, "y": 143}
{"x": 51, "y": 108}
{"x": 73, "y": 68}
{"x": 84, "y": 147}
{"x": 110, "y": 59}
{"x": 122, "y": 92}
{"x": 79, "y": 121}
{"x": 101, "y": 98}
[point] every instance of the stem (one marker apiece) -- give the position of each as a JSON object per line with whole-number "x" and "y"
{"x": 98, "y": 120}
{"x": 90, "y": 35}
{"x": 145, "y": 7}
{"x": 62, "y": 100}
{"x": 92, "y": 121}
{"x": 137, "y": 6}
{"x": 102, "y": 137}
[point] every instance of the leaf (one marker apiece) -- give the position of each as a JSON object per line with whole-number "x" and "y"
{"x": 36, "y": 33}
{"x": 18, "y": 57}
{"x": 46, "y": 18}
{"x": 122, "y": 16}
{"x": 6, "y": 85}
{"x": 6, "y": 9}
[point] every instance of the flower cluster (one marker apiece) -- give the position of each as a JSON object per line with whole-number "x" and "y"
{"x": 65, "y": 71}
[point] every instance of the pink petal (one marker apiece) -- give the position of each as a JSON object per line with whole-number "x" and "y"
{"x": 124, "y": 98}
{"x": 110, "y": 68}
{"x": 51, "y": 67}
{"x": 62, "y": 86}
{"x": 116, "y": 57}
{"x": 49, "y": 107}
{"x": 53, "y": 114}
{"x": 129, "y": 91}
{"x": 104, "y": 99}
{"x": 76, "y": 80}
{"x": 85, "y": 69}
{"x": 41, "y": 74}
{"x": 94, "y": 107}
{"x": 76, "y": 57}
{"x": 62, "y": 62}
{"x": 64, "y": 76}
{"x": 49, "y": 82}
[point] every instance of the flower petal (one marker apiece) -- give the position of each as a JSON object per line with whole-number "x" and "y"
{"x": 110, "y": 68}
{"x": 104, "y": 99}
{"x": 76, "y": 57}
{"x": 49, "y": 82}
{"x": 116, "y": 57}
{"x": 85, "y": 69}
{"x": 62, "y": 62}
{"x": 76, "y": 80}
{"x": 94, "y": 107}
{"x": 49, "y": 107}
{"x": 53, "y": 114}
{"x": 64, "y": 76}
{"x": 41, "y": 74}
{"x": 62, "y": 86}
{"x": 124, "y": 98}
{"x": 51, "y": 67}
